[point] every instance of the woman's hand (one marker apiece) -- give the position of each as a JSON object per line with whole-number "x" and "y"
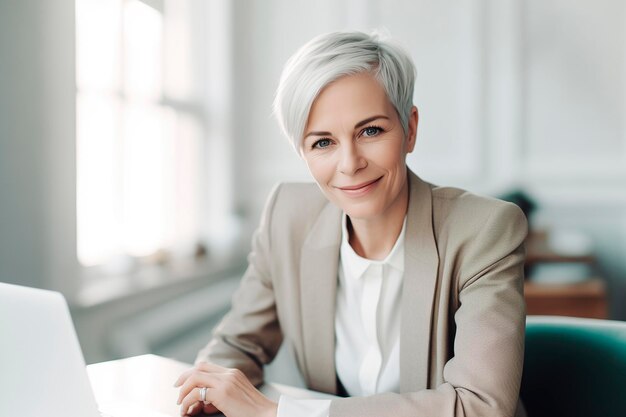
{"x": 228, "y": 391}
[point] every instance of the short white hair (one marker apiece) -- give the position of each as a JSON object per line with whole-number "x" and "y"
{"x": 331, "y": 56}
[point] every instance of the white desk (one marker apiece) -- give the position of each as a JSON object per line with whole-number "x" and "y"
{"x": 144, "y": 386}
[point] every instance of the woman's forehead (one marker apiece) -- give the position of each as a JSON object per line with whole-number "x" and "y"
{"x": 349, "y": 99}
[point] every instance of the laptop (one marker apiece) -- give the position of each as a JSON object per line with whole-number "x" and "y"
{"x": 42, "y": 369}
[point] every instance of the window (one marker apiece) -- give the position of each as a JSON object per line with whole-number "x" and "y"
{"x": 141, "y": 133}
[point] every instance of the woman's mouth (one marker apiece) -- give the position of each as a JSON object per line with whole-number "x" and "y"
{"x": 359, "y": 190}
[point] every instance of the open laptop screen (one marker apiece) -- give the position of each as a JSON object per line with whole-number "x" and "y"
{"x": 42, "y": 366}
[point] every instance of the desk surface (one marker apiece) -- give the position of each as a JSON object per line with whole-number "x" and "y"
{"x": 143, "y": 386}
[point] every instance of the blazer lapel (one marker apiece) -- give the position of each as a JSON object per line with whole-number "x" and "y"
{"x": 418, "y": 288}
{"x": 318, "y": 274}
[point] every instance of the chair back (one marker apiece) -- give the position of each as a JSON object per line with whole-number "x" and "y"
{"x": 574, "y": 367}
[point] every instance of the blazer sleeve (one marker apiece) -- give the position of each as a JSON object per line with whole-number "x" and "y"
{"x": 482, "y": 378}
{"x": 249, "y": 336}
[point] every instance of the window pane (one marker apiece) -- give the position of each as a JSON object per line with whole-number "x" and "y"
{"x": 98, "y": 167}
{"x": 144, "y": 179}
{"x": 98, "y": 25}
{"x": 184, "y": 185}
{"x": 139, "y": 157}
{"x": 178, "y": 75}
{"x": 142, "y": 50}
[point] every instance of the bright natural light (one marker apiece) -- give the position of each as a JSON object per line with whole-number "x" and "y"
{"x": 139, "y": 152}
{"x": 143, "y": 46}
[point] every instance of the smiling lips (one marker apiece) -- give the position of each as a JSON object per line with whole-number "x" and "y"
{"x": 360, "y": 189}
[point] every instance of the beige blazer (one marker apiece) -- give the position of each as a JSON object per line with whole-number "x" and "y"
{"x": 463, "y": 313}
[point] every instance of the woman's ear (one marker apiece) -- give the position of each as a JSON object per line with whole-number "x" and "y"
{"x": 412, "y": 133}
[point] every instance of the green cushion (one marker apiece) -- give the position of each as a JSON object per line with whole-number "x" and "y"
{"x": 574, "y": 367}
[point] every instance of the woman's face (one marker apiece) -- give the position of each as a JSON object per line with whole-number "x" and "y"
{"x": 355, "y": 147}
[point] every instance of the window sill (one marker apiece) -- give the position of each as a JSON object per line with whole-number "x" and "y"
{"x": 99, "y": 290}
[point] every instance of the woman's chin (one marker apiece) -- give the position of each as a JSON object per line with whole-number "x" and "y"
{"x": 361, "y": 212}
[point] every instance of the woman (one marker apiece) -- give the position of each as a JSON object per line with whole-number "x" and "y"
{"x": 404, "y": 296}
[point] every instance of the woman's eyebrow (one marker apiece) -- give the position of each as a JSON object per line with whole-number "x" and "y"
{"x": 369, "y": 119}
{"x": 317, "y": 134}
{"x": 356, "y": 126}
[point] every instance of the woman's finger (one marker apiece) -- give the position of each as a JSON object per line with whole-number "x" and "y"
{"x": 209, "y": 409}
{"x": 183, "y": 377}
{"x": 195, "y": 408}
{"x": 197, "y": 380}
{"x": 202, "y": 366}
{"x": 193, "y": 399}
{"x": 192, "y": 381}
{"x": 233, "y": 394}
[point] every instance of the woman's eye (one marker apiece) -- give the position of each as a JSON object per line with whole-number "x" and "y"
{"x": 371, "y": 131}
{"x": 322, "y": 143}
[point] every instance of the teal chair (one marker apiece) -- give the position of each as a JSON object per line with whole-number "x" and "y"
{"x": 574, "y": 367}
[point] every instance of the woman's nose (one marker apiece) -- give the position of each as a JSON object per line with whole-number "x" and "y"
{"x": 351, "y": 159}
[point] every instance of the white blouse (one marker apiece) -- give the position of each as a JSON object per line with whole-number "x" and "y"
{"x": 367, "y": 327}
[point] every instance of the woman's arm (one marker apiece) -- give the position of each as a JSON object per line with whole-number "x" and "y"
{"x": 483, "y": 377}
{"x": 249, "y": 336}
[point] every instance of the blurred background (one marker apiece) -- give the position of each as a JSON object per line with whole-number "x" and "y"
{"x": 137, "y": 146}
